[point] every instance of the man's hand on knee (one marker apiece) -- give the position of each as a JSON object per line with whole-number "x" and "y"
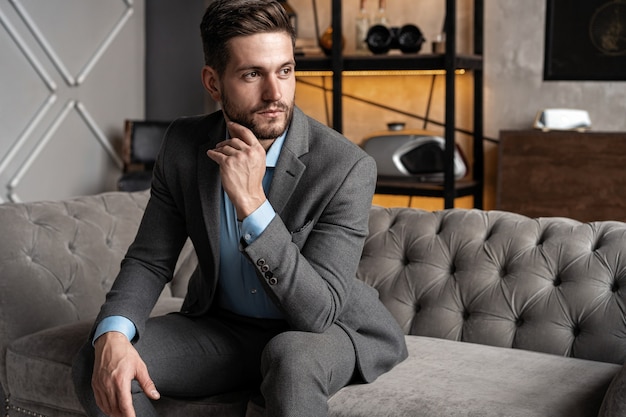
{"x": 117, "y": 363}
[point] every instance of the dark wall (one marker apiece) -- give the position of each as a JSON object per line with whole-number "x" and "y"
{"x": 174, "y": 59}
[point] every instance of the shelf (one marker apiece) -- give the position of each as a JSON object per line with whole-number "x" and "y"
{"x": 388, "y": 62}
{"x": 408, "y": 186}
{"x": 337, "y": 66}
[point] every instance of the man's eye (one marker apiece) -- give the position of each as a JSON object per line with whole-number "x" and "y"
{"x": 252, "y": 74}
{"x": 285, "y": 71}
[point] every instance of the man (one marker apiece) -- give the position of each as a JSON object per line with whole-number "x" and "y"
{"x": 277, "y": 206}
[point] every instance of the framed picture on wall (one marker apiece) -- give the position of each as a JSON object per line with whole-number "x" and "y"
{"x": 585, "y": 40}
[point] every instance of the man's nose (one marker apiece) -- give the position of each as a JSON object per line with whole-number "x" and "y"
{"x": 271, "y": 90}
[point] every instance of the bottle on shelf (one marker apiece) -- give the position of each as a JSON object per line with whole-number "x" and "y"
{"x": 362, "y": 24}
{"x": 380, "y": 18}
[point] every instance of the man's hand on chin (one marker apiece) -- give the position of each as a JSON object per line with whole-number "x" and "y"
{"x": 242, "y": 166}
{"x": 117, "y": 363}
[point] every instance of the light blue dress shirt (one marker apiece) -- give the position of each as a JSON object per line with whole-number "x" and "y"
{"x": 239, "y": 289}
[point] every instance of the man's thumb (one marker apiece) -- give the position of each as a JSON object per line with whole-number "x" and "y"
{"x": 147, "y": 385}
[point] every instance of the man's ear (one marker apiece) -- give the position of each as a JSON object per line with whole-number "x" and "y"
{"x": 210, "y": 81}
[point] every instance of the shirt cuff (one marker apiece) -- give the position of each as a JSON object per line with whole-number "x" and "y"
{"x": 253, "y": 225}
{"x": 115, "y": 324}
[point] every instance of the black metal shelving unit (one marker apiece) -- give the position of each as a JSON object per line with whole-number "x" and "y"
{"x": 450, "y": 61}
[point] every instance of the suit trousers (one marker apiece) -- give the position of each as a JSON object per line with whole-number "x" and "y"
{"x": 187, "y": 357}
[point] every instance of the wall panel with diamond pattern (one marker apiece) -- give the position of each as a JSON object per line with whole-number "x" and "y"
{"x": 71, "y": 71}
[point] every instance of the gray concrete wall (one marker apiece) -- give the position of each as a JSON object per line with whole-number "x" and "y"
{"x": 515, "y": 90}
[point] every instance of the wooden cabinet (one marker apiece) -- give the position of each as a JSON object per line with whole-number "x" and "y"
{"x": 563, "y": 173}
{"x": 449, "y": 61}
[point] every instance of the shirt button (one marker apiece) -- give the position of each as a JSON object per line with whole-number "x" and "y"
{"x": 247, "y": 237}
{"x": 253, "y": 291}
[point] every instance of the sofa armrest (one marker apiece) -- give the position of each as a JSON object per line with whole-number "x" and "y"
{"x": 614, "y": 403}
{"x": 59, "y": 258}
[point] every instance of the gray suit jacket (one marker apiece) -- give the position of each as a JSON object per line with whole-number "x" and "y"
{"x": 306, "y": 258}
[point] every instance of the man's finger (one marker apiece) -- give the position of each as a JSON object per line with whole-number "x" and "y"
{"x": 125, "y": 401}
{"x": 218, "y": 157}
{"x": 103, "y": 402}
{"x": 233, "y": 143}
{"x": 239, "y": 131}
{"x": 147, "y": 385}
{"x": 230, "y": 149}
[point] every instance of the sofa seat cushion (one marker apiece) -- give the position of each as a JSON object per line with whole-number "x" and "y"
{"x": 440, "y": 378}
{"x": 39, "y": 367}
{"x": 39, "y": 373}
{"x": 449, "y": 378}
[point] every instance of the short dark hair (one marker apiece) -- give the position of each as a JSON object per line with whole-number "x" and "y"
{"x": 226, "y": 19}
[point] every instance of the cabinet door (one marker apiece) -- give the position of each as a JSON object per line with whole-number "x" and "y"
{"x": 564, "y": 173}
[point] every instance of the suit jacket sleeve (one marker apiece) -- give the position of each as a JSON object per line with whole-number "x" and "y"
{"x": 150, "y": 260}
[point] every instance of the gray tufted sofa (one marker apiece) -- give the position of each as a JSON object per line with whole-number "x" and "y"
{"x": 504, "y": 315}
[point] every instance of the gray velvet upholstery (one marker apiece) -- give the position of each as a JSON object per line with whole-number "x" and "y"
{"x": 550, "y": 285}
{"x": 504, "y": 315}
{"x": 454, "y": 379}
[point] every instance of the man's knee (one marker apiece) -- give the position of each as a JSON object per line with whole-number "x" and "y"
{"x": 291, "y": 353}
{"x": 297, "y": 374}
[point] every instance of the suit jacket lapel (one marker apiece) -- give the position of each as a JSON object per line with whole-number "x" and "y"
{"x": 210, "y": 186}
{"x": 289, "y": 168}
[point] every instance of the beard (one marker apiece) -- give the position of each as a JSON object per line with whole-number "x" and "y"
{"x": 263, "y": 131}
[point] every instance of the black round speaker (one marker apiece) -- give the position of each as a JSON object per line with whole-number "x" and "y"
{"x": 379, "y": 39}
{"x": 410, "y": 39}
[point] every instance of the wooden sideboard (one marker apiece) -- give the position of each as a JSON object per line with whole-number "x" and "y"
{"x": 581, "y": 175}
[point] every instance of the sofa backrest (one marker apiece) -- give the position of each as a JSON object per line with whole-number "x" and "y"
{"x": 551, "y": 285}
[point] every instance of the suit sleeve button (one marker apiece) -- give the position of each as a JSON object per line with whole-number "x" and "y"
{"x": 273, "y": 281}
{"x": 265, "y": 268}
{"x": 260, "y": 262}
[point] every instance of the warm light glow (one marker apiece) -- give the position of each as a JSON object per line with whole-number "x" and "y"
{"x": 369, "y": 73}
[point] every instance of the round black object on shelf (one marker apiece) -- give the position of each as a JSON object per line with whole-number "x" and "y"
{"x": 380, "y": 39}
{"x": 410, "y": 39}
